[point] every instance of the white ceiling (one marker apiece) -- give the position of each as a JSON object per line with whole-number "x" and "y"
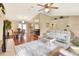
{"x": 29, "y": 10}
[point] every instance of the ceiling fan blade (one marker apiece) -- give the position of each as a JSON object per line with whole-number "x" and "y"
{"x": 46, "y": 5}
{"x": 50, "y": 4}
{"x": 41, "y": 9}
{"x": 40, "y": 5}
{"x": 54, "y": 7}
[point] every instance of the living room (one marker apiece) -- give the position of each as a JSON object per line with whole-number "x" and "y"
{"x": 29, "y": 23}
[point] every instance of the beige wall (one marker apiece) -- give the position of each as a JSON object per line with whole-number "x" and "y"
{"x": 1, "y": 28}
{"x": 44, "y": 19}
{"x": 44, "y": 23}
{"x": 74, "y": 24}
{"x": 59, "y": 24}
{"x": 47, "y": 21}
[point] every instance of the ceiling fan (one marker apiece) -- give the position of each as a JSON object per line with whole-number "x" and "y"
{"x": 2, "y": 8}
{"x": 47, "y": 7}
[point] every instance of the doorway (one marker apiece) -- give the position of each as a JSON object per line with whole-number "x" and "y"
{"x": 23, "y": 26}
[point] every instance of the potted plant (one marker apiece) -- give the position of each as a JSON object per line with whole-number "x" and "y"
{"x": 7, "y": 27}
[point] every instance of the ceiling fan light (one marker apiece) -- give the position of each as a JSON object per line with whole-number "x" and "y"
{"x": 46, "y": 10}
{"x": 23, "y": 21}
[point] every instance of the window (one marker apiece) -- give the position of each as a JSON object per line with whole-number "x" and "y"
{"x": 24, "y": 26}
{"x": 20, "y": 26}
